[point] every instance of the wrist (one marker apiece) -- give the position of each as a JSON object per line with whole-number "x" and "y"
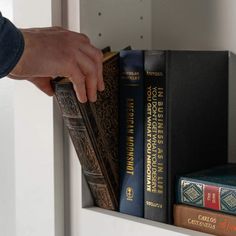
{"x": 18, "y": 69}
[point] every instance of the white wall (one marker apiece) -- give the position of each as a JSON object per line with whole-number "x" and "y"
{"x": 38, "y": 155}
{"x": 7, "y": 173}
{"x": 31, "y": 171}
{"x": 7, "y": 161}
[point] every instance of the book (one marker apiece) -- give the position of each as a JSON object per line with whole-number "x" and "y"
{"x": 155, "y": 139}
{"x": 214, "y": 188}
{"x": 204, "y": 220}
{"x": 93, "y": 128}
{"x": 196, "y": 102}
{"x": 131, "y": 132}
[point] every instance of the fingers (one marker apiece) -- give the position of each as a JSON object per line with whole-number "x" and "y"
{"x": 97, "y": 57}
{"x": 43, "y": 84}
{"x": 78, "y": 80}
{"x": 89, "y": 70}
{"x": 54, "y": 51}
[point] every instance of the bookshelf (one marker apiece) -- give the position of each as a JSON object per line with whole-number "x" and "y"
{"x": 64, "y": 197}
{"x": 144, "y": 24}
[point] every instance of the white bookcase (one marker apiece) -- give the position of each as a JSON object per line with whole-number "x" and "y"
{"x": 63, "y": 206}
{"x": 144, "y": 24}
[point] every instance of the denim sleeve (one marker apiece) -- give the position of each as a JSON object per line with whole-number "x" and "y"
{"x": 11, "y": 46}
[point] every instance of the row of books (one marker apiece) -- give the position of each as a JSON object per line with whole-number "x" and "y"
{"x": 163, "y": 114}
{"x": 173, "y": 121}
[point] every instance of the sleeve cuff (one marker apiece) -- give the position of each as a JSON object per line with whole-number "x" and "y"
{"x": 11, "y": 46}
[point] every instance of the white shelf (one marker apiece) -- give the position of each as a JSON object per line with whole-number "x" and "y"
{"x": 114, "y": 223}
{"x": 143, "y": 24}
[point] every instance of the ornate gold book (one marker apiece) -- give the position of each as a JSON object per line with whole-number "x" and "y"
{"x": 93, "y": 128}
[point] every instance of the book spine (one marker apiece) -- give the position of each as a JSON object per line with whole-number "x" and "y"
{"x": 207, "y": 195}
{"x": 75, "y": 119}
{"x": 204, "y": 220}
{"x": 155, "y": 158}
{"x": 131, "y": 132}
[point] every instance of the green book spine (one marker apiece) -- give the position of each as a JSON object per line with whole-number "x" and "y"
{"x": 213, "y": 189}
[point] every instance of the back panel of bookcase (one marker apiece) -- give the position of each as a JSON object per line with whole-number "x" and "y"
{"x": 143, "y": 24}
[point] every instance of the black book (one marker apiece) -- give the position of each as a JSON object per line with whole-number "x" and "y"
{"x": 193, "y": 125}
{"x": 155, "y": 159}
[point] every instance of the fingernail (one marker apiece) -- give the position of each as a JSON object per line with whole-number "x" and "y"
{"x": 94, "y": 98}
{"x": 103, "y": 86}
{"x": 82, "y": 99}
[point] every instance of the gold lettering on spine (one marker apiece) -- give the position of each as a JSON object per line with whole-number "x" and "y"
{"x": 153, "y": 204}
{"x": 160, "y": 139}
{"x": 155, "y": 140}
{"x": 149, "y": 140}
{"x": 203, "y": 222}
{"x": 130, "y": 136}
{"x": 130, "y": 75}
{"x": 154, "y": 73}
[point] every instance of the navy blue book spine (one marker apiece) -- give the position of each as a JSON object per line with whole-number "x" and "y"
{"x": 131, "y": 118}
{"x": 155, "y": 138}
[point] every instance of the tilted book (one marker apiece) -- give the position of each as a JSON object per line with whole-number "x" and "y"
{"x": 131, "y": 132}
{"x": 205, "y": 221}
{"x": 189, "y": 125}
{"x": 213, "y": 188}
{"x": 93, "y": 128}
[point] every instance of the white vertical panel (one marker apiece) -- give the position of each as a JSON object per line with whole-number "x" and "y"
{"x": 73, "y": 191}
{"x": 38, "y": 141}
{"x": 34, "y": 162}
{"x": 71, "y": 14}
{"x": 72, "y": 168}
{"x": 7, "y": 162}
{"x": 203, "y": 25}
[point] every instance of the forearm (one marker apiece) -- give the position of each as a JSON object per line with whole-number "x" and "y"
{"x": 11, "y": 46}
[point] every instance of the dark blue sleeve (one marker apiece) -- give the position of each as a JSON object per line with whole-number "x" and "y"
{"x": 11, "y": 46}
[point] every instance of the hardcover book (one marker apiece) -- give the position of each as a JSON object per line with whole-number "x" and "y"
{"x": 131, "y": 132}
{"x": 192, "y": 121}
{"x": 93, "y": 128}
{"x": 155, "y": 139}
{"x": 204, "y": 220}
{"x": 213, "y": 188}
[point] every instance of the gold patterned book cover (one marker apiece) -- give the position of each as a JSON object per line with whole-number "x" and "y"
{"x": 93, "y": 128}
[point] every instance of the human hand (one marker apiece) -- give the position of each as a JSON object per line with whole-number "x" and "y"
{"x": 52, "y": 52}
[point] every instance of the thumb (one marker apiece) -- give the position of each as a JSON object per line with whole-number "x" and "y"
{"x": 43, "y": 83}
